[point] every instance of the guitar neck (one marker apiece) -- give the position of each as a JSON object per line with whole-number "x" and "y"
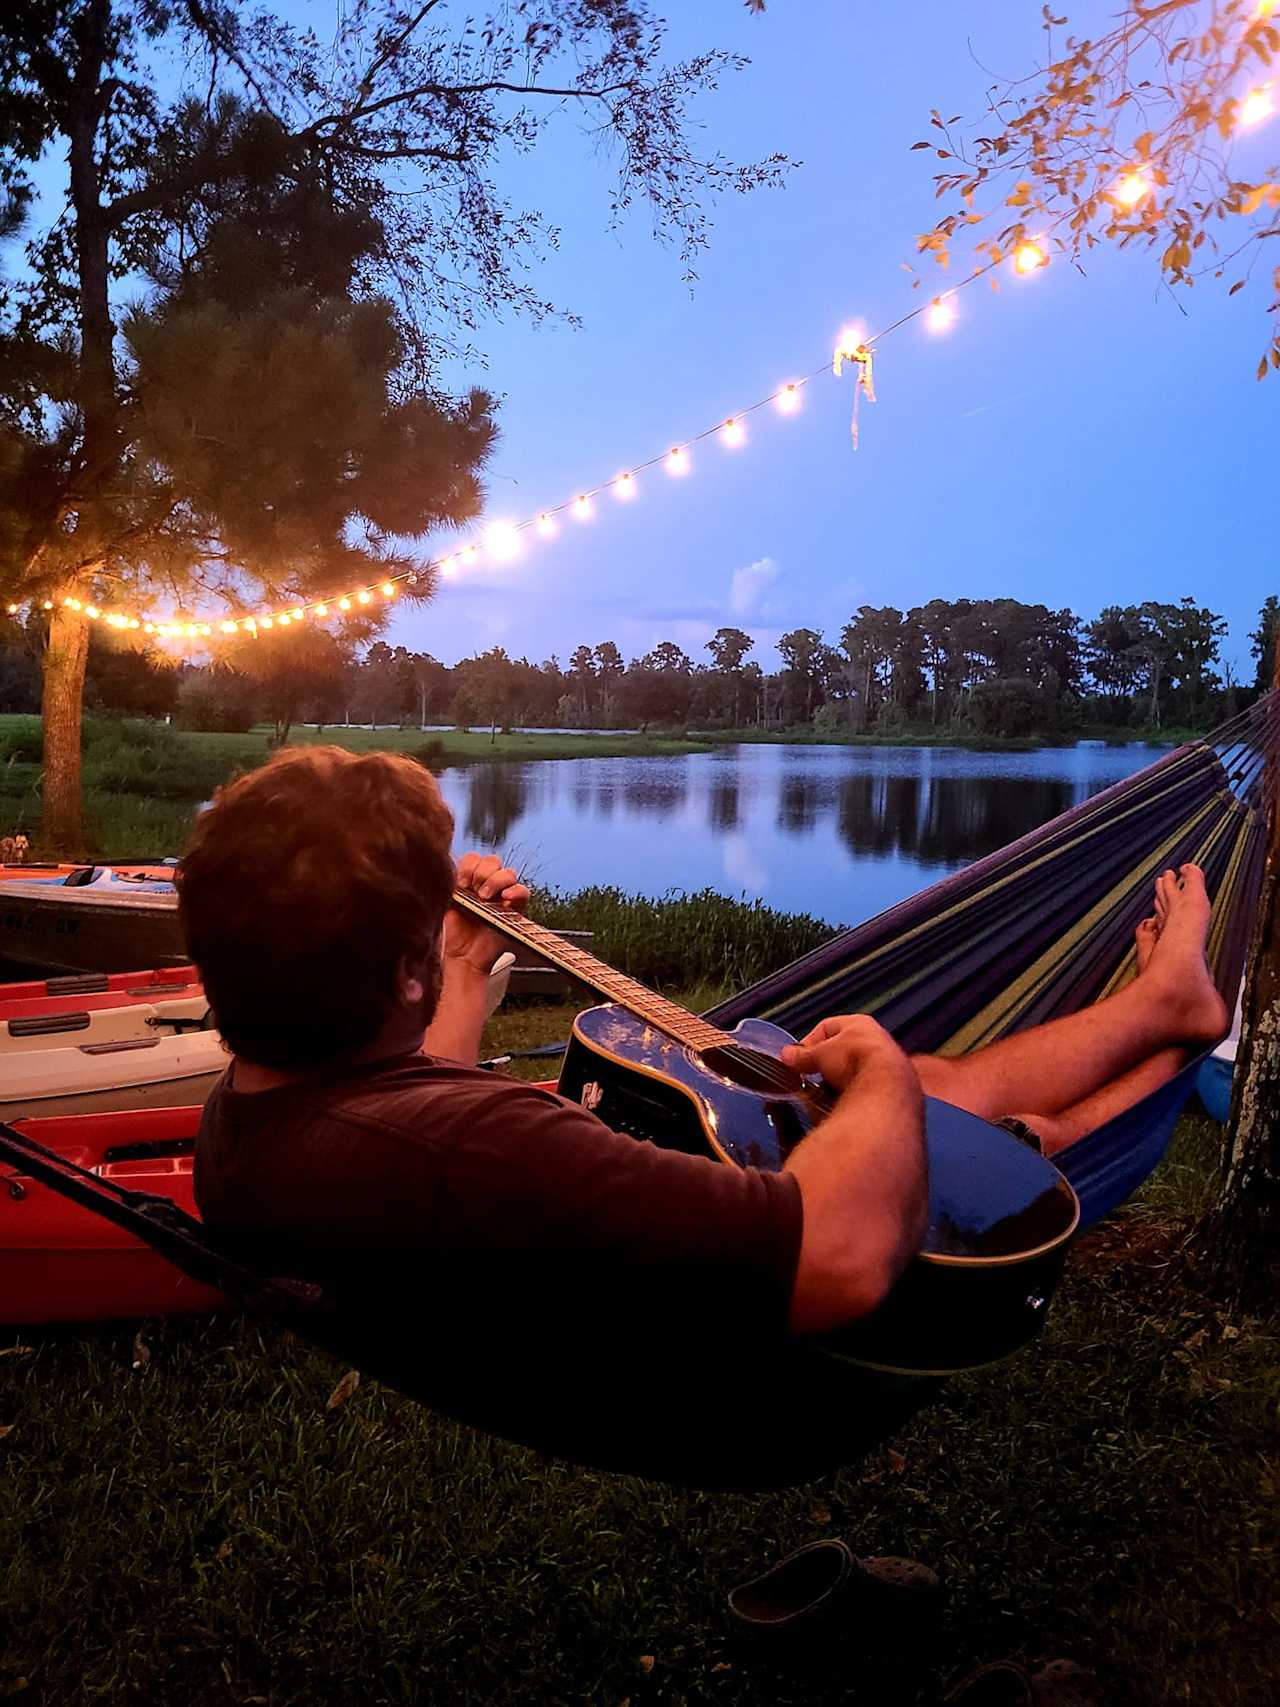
{"x": 665, "y": 1016}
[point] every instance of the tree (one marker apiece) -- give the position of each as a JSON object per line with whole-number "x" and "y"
{"x": 801, "y": 653}
{"x": 306, "y": 663}
{"x": 1126, "y": 137}
{"x": 728, "y": 648}
{"x": 609, "y": 667}
{"x": 1264, "y": 639}
{"x": 486, "y": 690}
{"x": 1242, "y": 1233}
{"x": 582, "y": 671}
{"x": 314, "y": 223}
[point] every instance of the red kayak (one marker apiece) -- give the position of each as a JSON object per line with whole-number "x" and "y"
{"x": 90, "y": 990}
{"x": 60, "y": 1262}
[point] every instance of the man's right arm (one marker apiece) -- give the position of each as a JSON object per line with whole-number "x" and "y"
{"x": 862, "y": 1174}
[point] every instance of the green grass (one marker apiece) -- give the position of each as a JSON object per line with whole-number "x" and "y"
{"x": 201, "y": 1530}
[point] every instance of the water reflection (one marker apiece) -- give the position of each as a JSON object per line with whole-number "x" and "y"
{"x": 876, "y": 823}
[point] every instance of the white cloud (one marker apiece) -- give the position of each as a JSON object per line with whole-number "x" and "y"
{"x": 749, "y": 586}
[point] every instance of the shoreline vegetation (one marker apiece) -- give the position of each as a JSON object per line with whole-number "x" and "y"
{"x": 143, "y": 778}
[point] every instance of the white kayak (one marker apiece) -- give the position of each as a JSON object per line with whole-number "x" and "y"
{"x": 55, "y": 1076}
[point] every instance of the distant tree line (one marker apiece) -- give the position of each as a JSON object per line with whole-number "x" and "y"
{"x": 995, "y": 667}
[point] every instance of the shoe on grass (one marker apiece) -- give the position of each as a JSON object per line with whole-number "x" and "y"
{"x": 1005, "y": 1683}
{"x": 821, "y": 1583}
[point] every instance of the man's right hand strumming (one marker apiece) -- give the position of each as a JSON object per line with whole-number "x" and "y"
{"x": 862, "y": 1173}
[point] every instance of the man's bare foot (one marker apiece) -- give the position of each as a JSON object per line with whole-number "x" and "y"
{"x": 1176, "y": 957}
{"x": 1145, "y": 939}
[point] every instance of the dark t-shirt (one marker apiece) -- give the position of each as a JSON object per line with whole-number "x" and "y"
{"x": 500, "y": 1253}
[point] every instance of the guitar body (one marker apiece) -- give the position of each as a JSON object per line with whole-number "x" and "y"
{"x": 1000, "y": 1215}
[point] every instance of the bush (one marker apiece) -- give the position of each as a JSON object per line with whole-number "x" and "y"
{"x": 678, "y": 940}
{"x": 430, "y": 754}
{"x": 132, "y": 757}
{"x": 216, "y": 701}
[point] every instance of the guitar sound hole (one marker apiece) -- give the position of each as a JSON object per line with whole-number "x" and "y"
{"x": 753, "y": 1070}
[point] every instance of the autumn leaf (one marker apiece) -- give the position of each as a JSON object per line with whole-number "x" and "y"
{"x": 343, "y": 1391}
{"x": 6, "y": 1429}
{"x": 897, "y": 1462}
{"x": 17, "y": 1351}
{"x": 141, "y": 1351}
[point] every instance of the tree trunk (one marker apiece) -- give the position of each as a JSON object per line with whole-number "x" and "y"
{"x": 1242, "y": 1235}
{"x": 62, "y": 696}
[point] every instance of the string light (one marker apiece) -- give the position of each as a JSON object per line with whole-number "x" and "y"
{"x": 505, "y": 538}
{"x": 503, "y": 542}
{"x": 1256, "y": 106}
{"x": 1132, "y": 188}
{"x": 1029, "y": 257}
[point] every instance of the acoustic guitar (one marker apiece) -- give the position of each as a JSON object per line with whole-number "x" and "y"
{"x": 1000, "y": 1215}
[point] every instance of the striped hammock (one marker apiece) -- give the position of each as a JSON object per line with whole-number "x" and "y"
{"x": 1046, "y": 926}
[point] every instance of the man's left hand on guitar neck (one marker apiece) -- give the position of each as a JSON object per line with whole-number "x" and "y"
{"x": 468, "y": 951}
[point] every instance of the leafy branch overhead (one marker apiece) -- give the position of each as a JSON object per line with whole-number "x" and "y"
{"x": 1148, "y": 135}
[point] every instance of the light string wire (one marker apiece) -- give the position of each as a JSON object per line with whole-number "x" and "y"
{"x": 502, "y": 539}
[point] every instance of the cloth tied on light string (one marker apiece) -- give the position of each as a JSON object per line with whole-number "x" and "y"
{"x": 864, "y": 380}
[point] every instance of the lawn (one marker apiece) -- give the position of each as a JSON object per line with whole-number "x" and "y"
{"x": 201, "y": 1529}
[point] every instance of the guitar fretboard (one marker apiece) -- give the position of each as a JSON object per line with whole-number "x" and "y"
{"x": 665, "y": 1016}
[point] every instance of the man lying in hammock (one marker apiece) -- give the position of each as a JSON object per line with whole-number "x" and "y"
{"x": 546, "y": 1277}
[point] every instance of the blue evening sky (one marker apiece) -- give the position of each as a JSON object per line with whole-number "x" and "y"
{"x": 1077, "y": 440}
{"x": 1073, "y": 440}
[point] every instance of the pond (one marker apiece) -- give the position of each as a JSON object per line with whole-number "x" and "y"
{"x": 840, "y": 832}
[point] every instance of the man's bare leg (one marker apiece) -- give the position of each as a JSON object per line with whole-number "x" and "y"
{"x": 1056, "y": 1131}
{"x": 1061, "y": 1066}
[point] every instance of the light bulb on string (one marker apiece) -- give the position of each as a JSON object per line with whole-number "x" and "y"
{"x": 940, "y": 316}
{"x": 502, "y": 541}
{"x": 1029, "y": 257}
{"x": 582, "y": 508}
{"x": 787, "y": 398}
{"x": 677, "y": 462}
{"x": 733, "y": 433}
{"x": 344, "y": 604}
{"x": 851, "y": 339}
{"x": 625, "y": 486}
{"x": 471, "y": 554}
{"x": 266, "y": 622}
{"x": 447, "y": 567}
{"x": 322, "y": 611}
{"x": 547, "y": 525}
{"x": 1257, "y": 105}
{"x": 388, "y": 590}
{"x": 283, "y": 619}
{"x": 1132, "y": 188}
{"x": 228, "y": 628}
{"x": 297, "y": 614}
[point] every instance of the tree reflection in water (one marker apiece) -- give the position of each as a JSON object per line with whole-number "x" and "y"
{"x": 876, "y": 823}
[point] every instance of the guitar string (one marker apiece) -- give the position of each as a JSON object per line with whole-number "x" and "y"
{"x": 775, "y": 1073}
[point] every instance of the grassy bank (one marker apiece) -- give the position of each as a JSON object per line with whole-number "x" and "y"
{"x": 200, "y": 1530}
{"x": 143, "y": 780}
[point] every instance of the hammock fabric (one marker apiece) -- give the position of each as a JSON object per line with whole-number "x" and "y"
{"x": 1046, "y": 926}
{"x": 1033, "y": 931}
